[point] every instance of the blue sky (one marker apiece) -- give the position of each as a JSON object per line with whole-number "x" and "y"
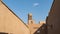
{"x": 38, "y": 8}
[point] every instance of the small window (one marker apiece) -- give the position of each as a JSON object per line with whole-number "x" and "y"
{"x": 42, "y": 27}
{"x": 31, "y": 22}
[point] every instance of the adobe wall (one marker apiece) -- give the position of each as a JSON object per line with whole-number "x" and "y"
{"x": 10, "y": 23}
{"x": 53, "y": 19}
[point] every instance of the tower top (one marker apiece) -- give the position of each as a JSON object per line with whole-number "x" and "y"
{"x": 30, "y": 16}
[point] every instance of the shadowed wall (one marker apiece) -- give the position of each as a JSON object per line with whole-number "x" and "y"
{"x": 53, "y": 19}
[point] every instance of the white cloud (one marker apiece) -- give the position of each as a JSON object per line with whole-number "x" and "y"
{"x": 35, "y": 4}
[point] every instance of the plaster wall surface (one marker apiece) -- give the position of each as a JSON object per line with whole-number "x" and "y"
{"x": 10, "y": 23}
